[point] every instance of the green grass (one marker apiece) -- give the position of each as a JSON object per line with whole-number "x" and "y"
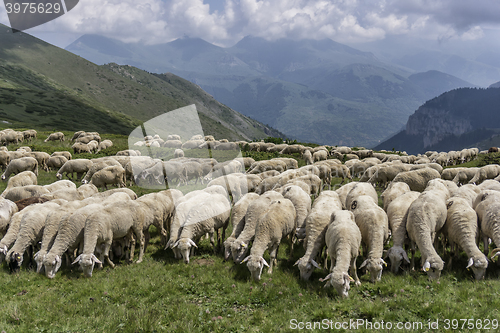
{"x": 163, "y": 294}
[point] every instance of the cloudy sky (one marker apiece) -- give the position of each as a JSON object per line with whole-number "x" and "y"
{"x": 224, "y": 22}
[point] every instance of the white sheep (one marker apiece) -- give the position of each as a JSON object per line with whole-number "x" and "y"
{"x": 417, "y": 179}
{"x": 302, "y": 203}
{"x": 80, "y": 166}
{"x": 374, "y": 226}
{"x": 393, "y": 191}
{"x": 343, "y": 191}
{"x": 7, "y": 209}
{"x": 359, "y": 190}
{"x": 21, "y": 179}
{"x": 486, "y": 172}
{"x": 178, "y": 153}
{"x": 277, "y": 223}
{"x": 24, "y": 192}
{"x": 461, "y": 230}
{"x": 110, "y": 175}
{"x": 487, "y": 206}
{"x": 238, "y": 213}
{"x": 267, "y": 165}
{"x": 205, "y": 217}
{"x": 57, "y": 136}
{"x": 56, "y": 162}
{"x": 19, "y": 165}
{"x": 342, "y": 239}
{"x": 64, "y": 153}
{"x": 320, "y": 155}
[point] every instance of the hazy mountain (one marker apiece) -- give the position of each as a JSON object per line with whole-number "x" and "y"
{"x": 43, "y": 86}
{"x": 296, "y": 87}
{"x": 495, "y": 85}
{"x": 456, "y": 119}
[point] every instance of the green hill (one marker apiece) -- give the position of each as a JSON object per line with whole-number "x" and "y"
{"x": 42, "y": 86}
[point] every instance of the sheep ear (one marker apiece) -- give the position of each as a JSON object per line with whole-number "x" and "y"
{"x": 405, "y": 257}
{"x": 77, "y": 259}
{"x": 471, "y": 262}
{"x": 426, "y": 267}
{"x": 363, "y": 264}
{"x": 314, "y": 263}
{"x": 297, "y": 262}
{"x": 175, "y": 245}
{"x": 243, "y": 244}
{"x": 36, "y": 255}
{"x": 58, "y": 262}
{"x": 383, "y": 262}
{"x": 95, "y": 259}
{"x": 192, "y": 243}
{"x": 325, "y": 278}
{"x": 245, "y": 260}
{"x": 168, "y": 244}
{"x": 264, "y": 262}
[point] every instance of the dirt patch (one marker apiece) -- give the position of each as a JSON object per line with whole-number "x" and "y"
{"x": 204, "y": 262}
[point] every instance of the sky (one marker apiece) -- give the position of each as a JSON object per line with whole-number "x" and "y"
{"x": 455, "y": 24}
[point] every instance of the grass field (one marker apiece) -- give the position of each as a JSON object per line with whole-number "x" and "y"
{"x": 163, "y": 294}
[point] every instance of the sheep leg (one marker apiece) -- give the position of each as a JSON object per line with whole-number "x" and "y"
{"x": 486, "y": 245}
{"x": 105, "y": 252}
{"x": 272, "y": 256}
{"x": 141, "y": 238}
{"x": 354, "y": 272}
{"x": 212, "y": 240}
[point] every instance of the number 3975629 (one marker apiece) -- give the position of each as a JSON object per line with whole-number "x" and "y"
{"x": 33, "y": 8}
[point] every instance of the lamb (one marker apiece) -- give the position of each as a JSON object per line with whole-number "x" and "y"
{"x": 276, "y": 223}
{"x": 19, "y": 165}
{"x": 238, "y": 213}
{"x": 316, "y": 225}
{"x": 66, "y": 154}
{"x": 343, "y": 239}
{"x": 417, "y": 179}
{"x": 461, "y": 229}
{"x": 111, "y": 175}
{"x": 426, "y": 217}
{"x": 21, "y": 179}
{"x": 80, "y": 166}
{"x": 57, "y": 136}
{"x": 30, "y": 231}
{"x": 374, "y": 226}
{"x": 206, "y": 217}
{"x": 70, "y": 232}
{"x": 56, "y": 162}
{"x": 393, "y": 191}
{"x": 302, "y": 203}
{"x": 487, "y": 172}
{"x": 99, "y": 165}
{"x": 110, "y": 222}
{"x": 396, "y": 213}
{"x": 255, "y": 210}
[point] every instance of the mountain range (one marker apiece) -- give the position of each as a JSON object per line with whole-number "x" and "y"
{"x": 311, "y": 90}
{"x": 42, "y": 86}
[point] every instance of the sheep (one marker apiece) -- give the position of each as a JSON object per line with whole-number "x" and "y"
{"x": 465, "y": 175}
{"x": 450, "y": 173}
{"x": 302, "y": 203}
{"x": 172, "y": 144}
{"x": 426, "y": 217}
{"x": 111, "y": 175}
{"x": 29, "y": 134}
{"x": 238, "y": 213}
{"x": 30, "y": 231}
{"x": 71, "y": 194}
{"x": 487, "y": 172}
{"x": 60, "y": 185}
{"x": 374, "y": 226}
{"x": 99, "y": 165}
{"x": 7, "y": 209}
{"x": 290, "y": 163}
{"x": 267, "y": 165}
{"x": 110, "y": 222}
{"x": 276, "y": 223}
{"x": 487, "y": 205}
{"x": 105, "y": 144}
{"x": 56, "y": 162}
{"x": 396, "y": 214}
{"x": 24, "y": 192}
{"x": 394, "y": 190}
{"x": 70, "y": 232}
{"x": 461, "y": 229}
{"x": 316, "y": 225}
{"x": 41, "y": 157}
{"x": 468, "y": 192}
{"x": 255, "y": 210}
{"x": 342, "y": 239}
{"x": 128, "y": 152}
{"x": 79, "y": 147}
{"x": 65, "y": 153}
{"x": 320, "y": 155}
{"x": 178, "y": 153}
{"x": 206, "y": 217}
{"x": 57, "y": 136}
{"x": 313, "y": 181}
{"x": 417, "y": 179}
{"x": 76, "y": 135}
{"x": 19, "y": 165}
{"x": 343, "y": 191}
{"x": 4, "y": 159}
{"x": 21, "y": 179}
{"x": 80, "y": 166}
{"x": 358, "y": 190}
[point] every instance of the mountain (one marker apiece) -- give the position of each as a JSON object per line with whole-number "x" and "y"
{"x": 454, "y": 120}
{"x": 495, "y": 85}
{"x": 46, "y": 87}
{"x": 312, "y": 90}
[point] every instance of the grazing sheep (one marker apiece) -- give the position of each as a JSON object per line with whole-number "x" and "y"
{"x": 487, "y": 172}
{"x": 97, "y": 166}
{"x": 396, "y": 214}
{"x": 342, "y": 239}
{"x": 255, "y": 210}
{"x": 25, "y": 192}
{"x": 487, "y": 206}
{"x": 105, "y": 144}
{"x": 79, "y": 148}
{"x": 374, "y": 226}
{"x": 343, "y": 191}
{"x": 238, "y": 213}
{"x": 57, "y": 136}
{"x": 110, "y": 222}
{"x": 465, "y": 175}
{"x": 178, "y": 153}
{"x": 461, "y": 230}
{"x": 206, "y": 217}
{"x": 359, "y": 190}
{"x": 4, "y": 159}
{"x": 393, "y": 191}
{"x": 468, "y": 192}
{"x": 128, "y": 152}
{"x": 313, "y": 181}
{"x": 276, "y": 223}
{"x": 426, "y": 217}
{"x": 417, "y": 179}
{"x": 71, "y": 194}
{"x": 7, "y": 209}
{"x": 316, "y": 225}
{"x": 66, "y": 154}
{"x": 60, "y": 185}
{"x": 450, "y": 173}
{"x": 111, "y": 175}
{"x": 19, "y": 165}
{"x": 21, "y": 179}
{"x": 320, "y": 155}
{"x": 267, "y": 165}
{"x": 302, "y": 203}
{"x": 29, "y": 134}
{"x": 41, "y": 157}
{"x": 80, "y": 166}
{"x": 56, "y": 162}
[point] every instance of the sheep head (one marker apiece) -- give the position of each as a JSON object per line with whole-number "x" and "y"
{"x": 255, "y": 265}
{"x": 15, "y": 261}
{"x": 306, "y": 267}
{"x": 227, "y": 247}
{"x": 39, "y": 256}
{"x": 59, "y": 176}
{"x": 239, "y": 249}
{"x": 340, "y": 281}
{"x": 52, "y": 264}
{"x": 396, "y": 256}
{"x": 184, "y": 246}
{"x": 3, "y": 252}
{"x": 433, "y": 268}
{"x": 87, "y": 262}
{"x": 478, "y": 264}
{"x": 375, "y": 267}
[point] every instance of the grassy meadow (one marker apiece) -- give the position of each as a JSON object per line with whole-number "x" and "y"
{"x": 163, "y": 294}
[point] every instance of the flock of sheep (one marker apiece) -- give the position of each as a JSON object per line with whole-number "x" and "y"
{"x": 271, "y": 200}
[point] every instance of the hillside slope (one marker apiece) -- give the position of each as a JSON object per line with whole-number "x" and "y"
{"x": 47, "y": 87}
